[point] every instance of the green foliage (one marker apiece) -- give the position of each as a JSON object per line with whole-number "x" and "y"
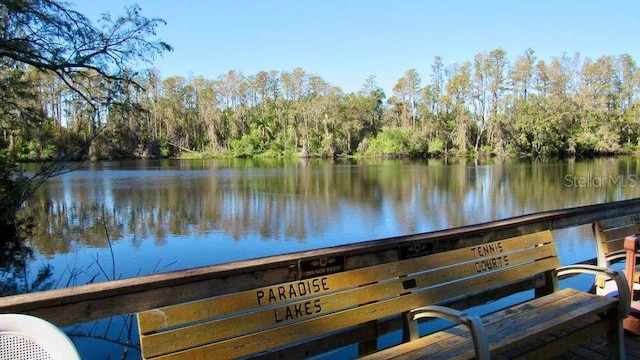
{"x": 165, "y": 150}
{"x": 603, "y": 141}
{"x": 248, "y": 145}
{"x": 487, "y": 150}
{"x": 437, "y": 147}
{"x": 397, "y": 142}
{"x": 389, "y": 142}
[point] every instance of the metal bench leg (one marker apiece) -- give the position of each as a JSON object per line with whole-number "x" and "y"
{"x": 615, "y": 340}
{"x": 371, "y": 345}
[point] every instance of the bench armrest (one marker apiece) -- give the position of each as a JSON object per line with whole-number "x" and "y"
{"x": 624, "y": 294}
{"x": 618, "y": 254}
{"x": 474, "y": 323}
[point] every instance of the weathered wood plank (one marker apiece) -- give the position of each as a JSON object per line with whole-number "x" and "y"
{"x": 610, "y": 237}
{"x": 620, "y": 233}
{"x": 390, "y": 286}
{"x": 610, "y": 233}
{"x": 568, "y": 341}
{"x": 324, "y": 344}
{"x": 541, "y": 320}
{"x": 620, "y": 221}
{"x": 297, "y": 331}
{"x": 513, "y": 327}
{"x": 226, "y": 304}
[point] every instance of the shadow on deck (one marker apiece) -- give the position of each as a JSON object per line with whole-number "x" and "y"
{"x": 597, "y": 349}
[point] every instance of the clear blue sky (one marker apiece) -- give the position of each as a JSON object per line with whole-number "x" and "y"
{"x": 346, "y": 41}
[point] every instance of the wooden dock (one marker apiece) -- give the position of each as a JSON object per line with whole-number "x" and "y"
{"x": 632, "y": 346}
{"x": 597, "y": 350}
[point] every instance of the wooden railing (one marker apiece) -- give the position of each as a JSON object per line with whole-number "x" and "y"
{"x": 102, "y": 300}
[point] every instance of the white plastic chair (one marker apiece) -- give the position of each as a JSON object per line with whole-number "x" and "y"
{"x": 24, "y": 337}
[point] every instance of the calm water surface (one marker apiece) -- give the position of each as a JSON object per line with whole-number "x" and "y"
{"x": 122, "y": 219}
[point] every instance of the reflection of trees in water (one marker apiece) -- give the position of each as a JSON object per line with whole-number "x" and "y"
{"x": 59, "y": 225}
{"x": 16, "y": 256}
{"x": 112, "y": 338}
{"x": 298, "y": 200}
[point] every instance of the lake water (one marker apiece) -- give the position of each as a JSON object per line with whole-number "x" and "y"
{"x": 122, "y": 219}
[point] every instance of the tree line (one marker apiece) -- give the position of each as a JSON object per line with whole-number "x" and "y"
{"x": 488, "y": 105}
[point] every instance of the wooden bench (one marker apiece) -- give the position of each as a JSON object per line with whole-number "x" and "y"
{"x": 610, "y": 237}
{"x": 616, "y": 241}
{"x": 281, "y": 321}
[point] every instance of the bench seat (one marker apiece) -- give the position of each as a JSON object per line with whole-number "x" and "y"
{"x": 512, "y": 327}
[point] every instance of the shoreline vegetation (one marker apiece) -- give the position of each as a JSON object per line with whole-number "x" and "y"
{"x": 490, "y": 105}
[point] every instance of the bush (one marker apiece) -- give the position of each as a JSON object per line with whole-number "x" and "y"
{"x": 436, "y": 147}
{"x": 249, "y": 145}
{"x": 389, "y": 142}
{"x": 603, "y": 141}
{"x": 397, "y": 142}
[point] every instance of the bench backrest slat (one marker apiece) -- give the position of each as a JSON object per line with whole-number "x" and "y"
{"x": 252, "y": 343}
{"x": 338, "y": 301}
{"x": 610, "y": 236}
{"x": 614, "y": 237}
{"x": 175, "y": 315}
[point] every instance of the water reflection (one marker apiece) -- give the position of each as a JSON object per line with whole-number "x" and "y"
{"x": 121, "y": 219}
{"x": 235, "y": 209}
